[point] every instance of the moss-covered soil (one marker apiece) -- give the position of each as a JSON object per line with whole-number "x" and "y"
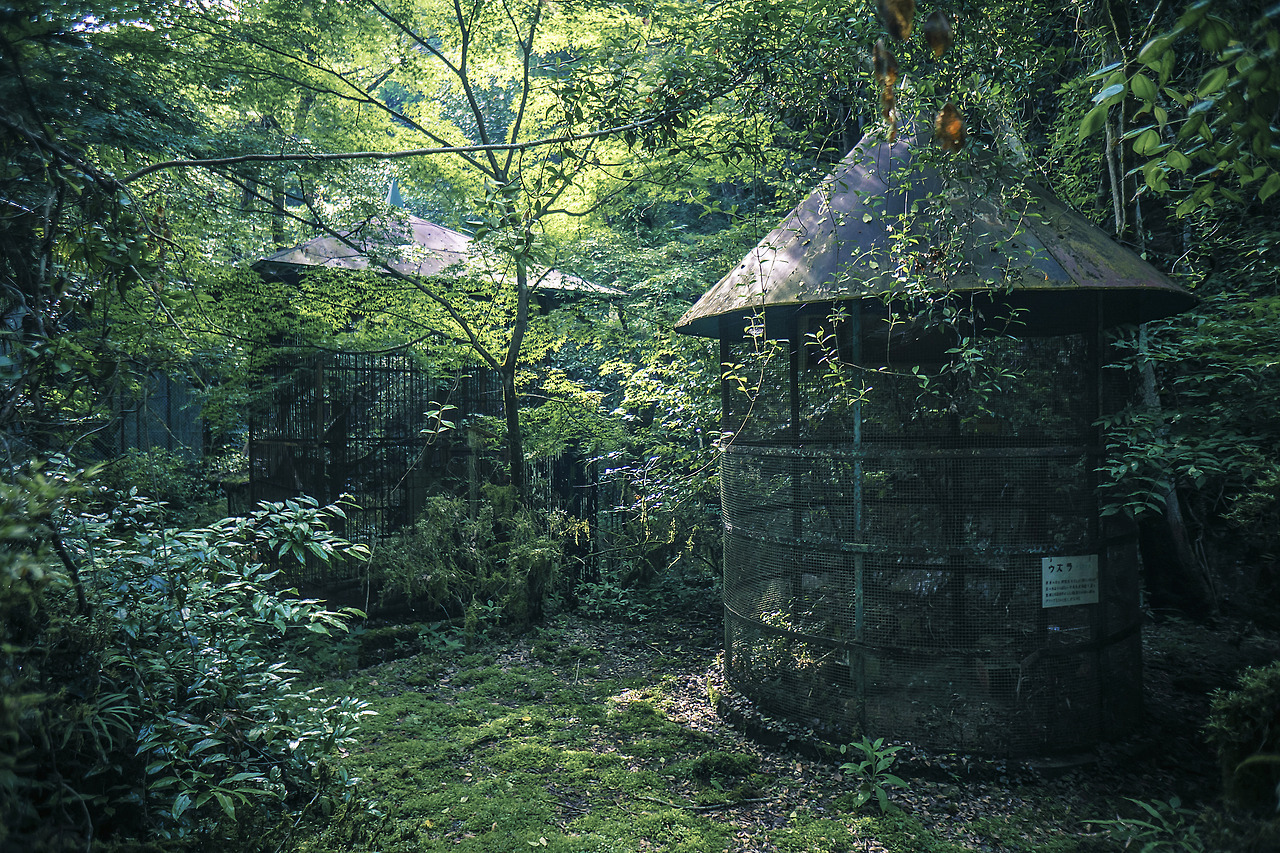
{"x": 598, "y": 736}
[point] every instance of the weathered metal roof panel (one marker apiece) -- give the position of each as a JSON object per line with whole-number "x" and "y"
{"x": 894, "y": 215}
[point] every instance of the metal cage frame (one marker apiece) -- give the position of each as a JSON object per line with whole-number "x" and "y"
{"x": 942, "y": 576}
{"x": 914, "y": 367}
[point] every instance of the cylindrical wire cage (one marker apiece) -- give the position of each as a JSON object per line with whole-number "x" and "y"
{"x": 919, "y": 553}
{"x": 913, "y": 370}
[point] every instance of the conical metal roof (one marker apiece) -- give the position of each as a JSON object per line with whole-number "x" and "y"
{"x": 901, "y": 215}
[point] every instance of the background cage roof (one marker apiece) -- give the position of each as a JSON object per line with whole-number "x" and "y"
{"x": 413, "y": 247}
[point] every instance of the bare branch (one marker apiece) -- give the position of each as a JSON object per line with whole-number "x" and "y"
{"x": 458, "y": 70}
{"x": 318, "y": 157}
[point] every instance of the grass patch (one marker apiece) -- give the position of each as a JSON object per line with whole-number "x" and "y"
{"x": 486, "y": 753}
{"x": 718, "y": 764}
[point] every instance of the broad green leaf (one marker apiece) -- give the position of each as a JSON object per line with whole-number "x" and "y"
{"x": 1155, "y": 177}
{"x": 1148, "y": 143}
{"x": 1177, "y": 160}
{"x": 1153, "y": 50}
{"x": 202, "y": 745}
{"x": 1093, "y": 121}
{"x": 1195, "y": 14}
{"x": 1270, "y": 187}
{"x": 1110, "y": 94}
{"x": 1104, "y": 71}
{"x": 1213, "y": 81}
{"x": 1192, "y": 126}
{"x": 1143, "y": 87}
{"x": 1215, "y": 34}
{"x": 228, "y": 808}
{"x": 180, "y": 804}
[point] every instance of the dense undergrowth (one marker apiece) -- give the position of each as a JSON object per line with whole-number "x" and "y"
{"x": 144, "y": 689}
{"x": 164, "y": 693}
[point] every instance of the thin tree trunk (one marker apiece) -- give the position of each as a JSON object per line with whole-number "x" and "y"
{"x": 1113, "y": 173}
{"x": 515, "y": 446}
{"x": 510, "y": 401}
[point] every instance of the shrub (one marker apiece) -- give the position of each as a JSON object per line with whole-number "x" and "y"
{"x": 491, "y": 562}
{"x": 1159, "y": 828}
{"x": 1244, "y": 726}
{"x": 142, "y": 684}
{"x": 173, "y": 480}
{"x": 869, "y": 769}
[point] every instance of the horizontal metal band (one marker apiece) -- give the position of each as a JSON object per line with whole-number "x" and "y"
{"x": 851, "y": 645}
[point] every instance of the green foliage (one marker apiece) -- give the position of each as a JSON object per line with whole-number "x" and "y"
{"x": 1244, "y": 727}
{"x": 79, "y": 248}
{"x": 162, "y": 707}
{"x": 609, "y": 597}
{"x": 1162, "y": 827}
{"x": 661, "y": 390}
{"x": 871, "y": 771}
{"x": 442, "y": 637}
{"x": 1206, "y": 132}
{"x": 492, "y": 562}
{"x": 631, "y": 590}
{"x": 173, "y": 480}
{"x": 1146, "y": 460}
{"x": 1212, "y": 440}
{"x": 720, "y": 765}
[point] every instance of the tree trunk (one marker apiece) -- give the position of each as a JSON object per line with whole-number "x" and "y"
{"x": 510, "y": 400}
{"x": 1174, "y": 576}
{"x": 515, "y": 446}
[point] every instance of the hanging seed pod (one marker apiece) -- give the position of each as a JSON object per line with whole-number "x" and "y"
{"x": 889, "y": 112}
{"x": 938, "y": 33}
{"x": 948, "y": 128}
{"x": 898, "y": 16}
{"x": 884, "y": 64}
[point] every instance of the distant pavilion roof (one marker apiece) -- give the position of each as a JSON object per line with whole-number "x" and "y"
{"x": 1001, "y": 235}
{"x": 415, "y": 248}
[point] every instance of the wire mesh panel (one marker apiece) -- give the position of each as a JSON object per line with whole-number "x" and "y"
{"x": 361, "y": 424}
{"x": 164, "y": 414}
{"x": 357, "y": 423}
{"x": 928, "y": 563}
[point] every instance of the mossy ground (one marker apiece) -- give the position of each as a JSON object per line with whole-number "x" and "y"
{"x": 595, "y": 736}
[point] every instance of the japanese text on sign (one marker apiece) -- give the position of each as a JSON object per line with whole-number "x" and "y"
{"x": 1069, "y": 580}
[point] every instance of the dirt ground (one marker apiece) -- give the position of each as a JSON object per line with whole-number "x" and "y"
{"x": 962, "y": 799}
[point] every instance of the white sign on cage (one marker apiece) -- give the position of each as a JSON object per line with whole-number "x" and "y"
{"x": 1069, "y": 580}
